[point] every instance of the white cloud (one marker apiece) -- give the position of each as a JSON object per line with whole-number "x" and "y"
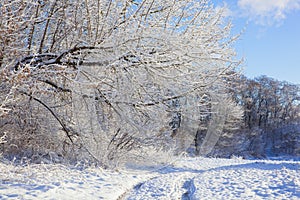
{"x": 268, "y": 12}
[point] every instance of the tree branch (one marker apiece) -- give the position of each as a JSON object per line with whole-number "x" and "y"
{"x": 63, "y": 125}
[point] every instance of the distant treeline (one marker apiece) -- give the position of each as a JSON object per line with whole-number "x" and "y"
{"x": 271, "y": 121}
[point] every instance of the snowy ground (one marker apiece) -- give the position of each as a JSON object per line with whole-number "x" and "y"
{"x": 186, "y": 178}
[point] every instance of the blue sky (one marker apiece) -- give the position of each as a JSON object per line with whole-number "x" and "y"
{"x": 271, "y": 41}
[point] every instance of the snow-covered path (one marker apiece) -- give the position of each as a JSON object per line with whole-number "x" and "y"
{"x": 255, "y": 180}
{"x": 187, "y": 178}
{"x": 223, "y": 179}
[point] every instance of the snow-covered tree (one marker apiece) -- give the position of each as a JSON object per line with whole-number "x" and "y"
{"x": 107, "y": 73}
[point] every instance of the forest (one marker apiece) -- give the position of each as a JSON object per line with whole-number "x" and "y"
{"x": 108, "y": 81}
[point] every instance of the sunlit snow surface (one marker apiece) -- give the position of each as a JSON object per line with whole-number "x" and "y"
{"x": 186, "y": 178}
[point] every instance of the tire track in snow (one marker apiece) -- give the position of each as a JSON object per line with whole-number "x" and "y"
{"x": 176, "y": 185}
{"x": 189, "y": 185}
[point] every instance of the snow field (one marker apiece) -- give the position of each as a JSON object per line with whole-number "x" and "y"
{"x": 186, "y": 178}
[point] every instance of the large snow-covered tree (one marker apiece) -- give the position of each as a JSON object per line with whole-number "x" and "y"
{"x": 111, "y": 75}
